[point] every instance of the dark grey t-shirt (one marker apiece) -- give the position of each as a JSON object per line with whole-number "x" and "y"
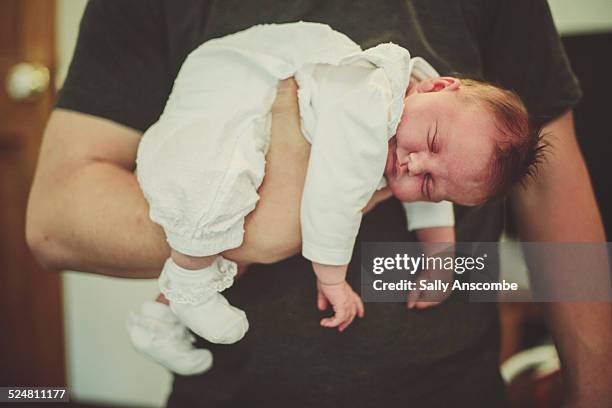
{"x": 126, "y": 59}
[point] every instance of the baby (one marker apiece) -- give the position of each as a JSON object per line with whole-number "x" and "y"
{"x": 373, "y": 117}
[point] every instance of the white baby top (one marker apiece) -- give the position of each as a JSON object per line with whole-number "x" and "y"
{"x": 350, "y": 105}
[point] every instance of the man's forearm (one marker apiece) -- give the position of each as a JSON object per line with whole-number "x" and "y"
{"x": 559, "y": 206}
{"x": 96, "y": 220}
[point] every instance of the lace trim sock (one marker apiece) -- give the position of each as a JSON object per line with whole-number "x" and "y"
{"x": 195, "y": 299}
{"x": 194, "y": 287}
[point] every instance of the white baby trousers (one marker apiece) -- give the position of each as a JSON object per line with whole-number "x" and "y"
{"x": 200, "y": 170}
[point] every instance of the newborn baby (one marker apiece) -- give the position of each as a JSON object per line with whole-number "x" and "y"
{"x": 372, "y": 117}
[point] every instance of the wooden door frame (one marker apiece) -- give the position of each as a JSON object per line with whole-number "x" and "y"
{"x": 31, "y": 306}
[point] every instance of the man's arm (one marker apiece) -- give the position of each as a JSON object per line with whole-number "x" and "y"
{"x": 559, "y": 206}
{"x": 86, "y": 211}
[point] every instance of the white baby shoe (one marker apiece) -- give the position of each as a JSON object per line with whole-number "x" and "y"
{"x": 194, "y": 297}
{"x": 157, "y": 333}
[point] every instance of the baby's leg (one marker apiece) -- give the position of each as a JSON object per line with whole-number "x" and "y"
{"x": 200, "y": 186}
{"x": 192, "y": 285}
{"x": 158, "y": 333}
{"x": 159, "y": 330}
{"x": 192, "y": 262}
{"x": 199, "y": 168}
{"x": 200, "y": 194}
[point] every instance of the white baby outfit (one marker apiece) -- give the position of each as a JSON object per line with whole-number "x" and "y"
{"x": 201, "y": 164}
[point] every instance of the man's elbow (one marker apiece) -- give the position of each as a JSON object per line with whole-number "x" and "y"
{"x": 42, "y": 246}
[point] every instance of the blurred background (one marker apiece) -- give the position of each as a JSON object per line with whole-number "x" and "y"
{"x": 80, "y": 318}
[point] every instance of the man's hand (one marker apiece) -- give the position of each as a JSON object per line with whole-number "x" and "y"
{"x": 272, "y": 230}
{"x": 286, "y": 98}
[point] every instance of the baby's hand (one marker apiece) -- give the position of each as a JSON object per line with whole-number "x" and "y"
{"x": 423, "y": 299}
{"x": 434, "y": 241}
{"x": 344, "y": 301}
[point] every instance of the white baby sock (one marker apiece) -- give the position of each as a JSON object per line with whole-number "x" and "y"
{"x": 194, "y": 297}
{"x": 157, "y": 333}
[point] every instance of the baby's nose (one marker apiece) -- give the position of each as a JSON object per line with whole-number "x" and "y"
{"x": 415, "y": 164}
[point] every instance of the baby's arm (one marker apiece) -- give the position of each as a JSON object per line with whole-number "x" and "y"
{"x": 347, "y": 159}
{"x": 433, "y": 224}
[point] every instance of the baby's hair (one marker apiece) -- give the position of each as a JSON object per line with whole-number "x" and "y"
{"x": 519, "y": 145}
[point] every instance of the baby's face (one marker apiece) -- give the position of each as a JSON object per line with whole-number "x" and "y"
{"x": 442, "y": 149}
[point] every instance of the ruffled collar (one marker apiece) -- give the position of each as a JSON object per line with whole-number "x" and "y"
{"x": 399, "y": 67}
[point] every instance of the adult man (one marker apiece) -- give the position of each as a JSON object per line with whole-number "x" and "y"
{"x": 87, "y": 213}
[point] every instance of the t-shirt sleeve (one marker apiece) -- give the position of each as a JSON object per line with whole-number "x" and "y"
{"x": 119, "y": 70}
{"x": 522, "y": 51}
{"x": 422, "y": 214}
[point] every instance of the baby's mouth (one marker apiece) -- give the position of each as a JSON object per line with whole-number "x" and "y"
{"x": 390, "y": 168}
{"x": 394, "y": 167}
{"x": 399, "y": 168}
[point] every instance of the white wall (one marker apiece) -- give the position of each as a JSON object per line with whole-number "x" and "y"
{"x": 102, "y": 367}
{"x": 69, "y": 14}
{"x": 582, "y": 16}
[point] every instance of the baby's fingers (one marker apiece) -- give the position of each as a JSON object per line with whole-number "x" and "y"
{"x": 321, "y": 301}
{"x": 351, "y": 317}
{"x": 413, "y": 297}
{"x": 352, "y": 313}
{"x": 414, "y": 301}
{"x": 425, "y": 305}
{"x": 359, "y": 304}
{"x": 341, "y": 315}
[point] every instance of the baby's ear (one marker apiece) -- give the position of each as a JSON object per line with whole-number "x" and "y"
{"x": 438, "y": 84}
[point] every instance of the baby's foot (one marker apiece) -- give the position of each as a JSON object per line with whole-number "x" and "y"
{"x": 157, "y": 333}
{"x": 195, "y": 299}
